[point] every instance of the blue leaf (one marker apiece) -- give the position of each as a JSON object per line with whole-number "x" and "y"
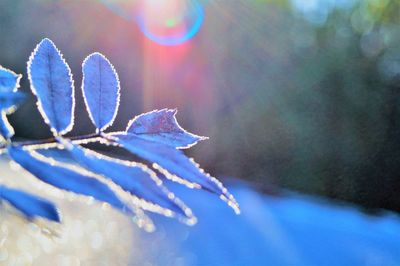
{"x": 10, "y": 100}
{"x": 134, "y": 178}
{"x": 6, "y": 130}
{"x": 8, "y": 104}
{"x": 161, "y": 126}
{"x": 29, "y": 205}
{"x": 174, "y": 165}
{"x": 9, "y": 81}
{"x": 64, "y": 178}
{"x": 51, "y": 81}
{"x": 101, "y": 90}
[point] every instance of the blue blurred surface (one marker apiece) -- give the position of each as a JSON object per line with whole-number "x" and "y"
{"x": 273, "y": 230}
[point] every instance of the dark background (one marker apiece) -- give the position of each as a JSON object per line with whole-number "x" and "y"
{"x": 292, "y": 94}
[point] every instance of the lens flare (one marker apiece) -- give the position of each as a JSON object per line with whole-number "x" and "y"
{"x": 167, "y": 22}
{"x": 170, "y": 22}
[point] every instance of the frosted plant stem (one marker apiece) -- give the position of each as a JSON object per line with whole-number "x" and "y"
{"x": 85, "y": 138}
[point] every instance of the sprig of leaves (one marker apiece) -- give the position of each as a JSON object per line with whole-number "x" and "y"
{"x": 64, "y": 162}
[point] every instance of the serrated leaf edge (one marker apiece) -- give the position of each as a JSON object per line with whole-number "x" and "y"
{"x": 144, "y": 204}
{"x": 140, "y": 218}
{"x": 85, "y": 97}
{"x": 225, "y": 196}
{"x": 175, "y": 112}
{"x": 34, "y": 91}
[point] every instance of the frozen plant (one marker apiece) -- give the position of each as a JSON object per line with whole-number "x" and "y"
{"x": 64, "y": 162}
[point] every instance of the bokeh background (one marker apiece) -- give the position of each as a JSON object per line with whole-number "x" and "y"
{"x": 300, "y": 95}
{"x": 296, "y": 94}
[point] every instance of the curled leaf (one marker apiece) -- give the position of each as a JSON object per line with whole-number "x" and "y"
{"x": 31, "y": 206}
{"x": 162, "y": 127}
{"x": 52, "y": 83}
{"x": 101, "y": 88}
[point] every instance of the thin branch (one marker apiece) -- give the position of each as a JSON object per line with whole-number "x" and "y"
{"x": 76, "y": 139}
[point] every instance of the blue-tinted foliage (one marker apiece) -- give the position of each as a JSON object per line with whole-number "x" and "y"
{"x": 64, "y": 178}
{"x": 10, "y": 100}
{"x": 174, "y": 165}
{"x": 9, "y": 81}
{"x": 6, "y": 130}
{"x": 51, "y": 81}
{"x": 134, "y": 178}
{"x": 128, "y": 186}
{"x": 29, "y": 205}
{"x": 161, "y": 126}
{"x": 101, "y": 90}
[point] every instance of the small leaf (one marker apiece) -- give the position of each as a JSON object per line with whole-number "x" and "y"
{"x": 54, "y": 174}
{"x": 29, "y": 205}
{"x": 8, "y": 104}
{"x": 101, "y": 90}
{"x": 6, "y": 130}
{"x": 161, "y": 126}
{"x": 52, "y": 83}
{"x": 174, "y": 165}
{"x": 9, "y": 81}
{"x": 132, "y": 177}
{"x": 10, "y": 100}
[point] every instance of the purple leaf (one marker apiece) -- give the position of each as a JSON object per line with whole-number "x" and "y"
{"x": 162, "y": 127}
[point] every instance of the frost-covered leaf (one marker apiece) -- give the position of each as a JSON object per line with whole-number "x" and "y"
{"x": 9, "y": 81}
{"x": 29, "y": 205}
{"x": 64, "y": 178}
{"x": 6, "y": 130}
{"x": 174, "y": 165}
{"x": 9, "y": 100}
{"x": 101, "y": 88}
{"x": 137, "y": 179}
{"x": 128, "y": 186}
{"x": 52, "y": 83}
{"x": 161, "y": 126}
